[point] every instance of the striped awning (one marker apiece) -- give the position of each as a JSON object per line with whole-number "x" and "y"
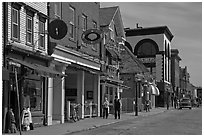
{"x": 154, "y": 90}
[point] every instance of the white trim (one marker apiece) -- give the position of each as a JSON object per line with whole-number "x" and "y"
{"x": 63, "y": 61}
{"x": 69, "y": 61}
{"x": 80, "y": 63}
{"x": 62, "y": 58}
{"x": 166, "y": 82}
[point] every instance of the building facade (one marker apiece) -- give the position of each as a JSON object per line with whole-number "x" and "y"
{"x": 112, "y": 26}
{"x": 80, "y": 62}
{"x": 27, "y": 60}
{"x": 175, "y": 70}
{"x": 152, "y": 46}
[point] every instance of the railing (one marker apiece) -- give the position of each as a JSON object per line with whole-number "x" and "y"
{"x": 90, "y": 109}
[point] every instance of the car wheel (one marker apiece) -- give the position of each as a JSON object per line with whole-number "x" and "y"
{"x": 189, "y": 108}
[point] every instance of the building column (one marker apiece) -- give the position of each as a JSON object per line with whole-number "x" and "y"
{"x": 50, "y": 101}
{"x": 80, "y": 91}
{"x": 59, "y": 96}
{"x": 97, "y": 92}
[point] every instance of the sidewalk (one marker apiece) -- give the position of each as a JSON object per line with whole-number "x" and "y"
{"x": 86, "y": 124}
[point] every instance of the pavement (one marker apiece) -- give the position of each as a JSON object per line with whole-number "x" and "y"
{"x": 86, "y": 123}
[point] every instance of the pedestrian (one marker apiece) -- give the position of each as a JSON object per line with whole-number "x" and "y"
{"x": 30, "y": 119}
{"x": 117, "y": 106}
{"x": 26, "y": 119}
{"x": 175, "y": 102}
{"x": 10, "y": 122}
{"x": 147, "y": 105}
{"x": 105, "y": 108}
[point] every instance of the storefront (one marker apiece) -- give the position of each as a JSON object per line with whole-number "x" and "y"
{"x": 110, "y": 88}
{"x": 27, "y": 86}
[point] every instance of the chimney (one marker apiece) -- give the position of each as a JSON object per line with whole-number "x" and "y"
{"x": 137, "y": 26}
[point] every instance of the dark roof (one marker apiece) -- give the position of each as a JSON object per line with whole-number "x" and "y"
{"x": 149, "y": 31}
{"x": 112, "y": 14}
{"x": 106, "y": 15}
{"x": 130, "y": 63}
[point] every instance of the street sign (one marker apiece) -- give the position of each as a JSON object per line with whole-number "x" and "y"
{"x": 92, "y": 36}
{"x": 57, "y": 29}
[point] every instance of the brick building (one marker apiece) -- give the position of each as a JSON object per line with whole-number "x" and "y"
{"x": 175, "y": 70}
{"x": 153, "y": 47}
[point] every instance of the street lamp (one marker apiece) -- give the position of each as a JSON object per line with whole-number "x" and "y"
{"x": 137, "y": 80}
{"x": 136, "y": 105}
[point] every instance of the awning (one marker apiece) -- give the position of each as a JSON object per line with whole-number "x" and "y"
{"x": 39, "y": 69}
{"x": 154, "y": 90}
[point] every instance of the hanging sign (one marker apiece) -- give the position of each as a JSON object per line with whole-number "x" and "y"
{"x": 147, "y": 60}
{"x": 92, "y": 36}
{"x": 57, "y": 29}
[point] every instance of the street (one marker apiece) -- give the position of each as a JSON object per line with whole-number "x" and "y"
{"x": 172, "y": 122}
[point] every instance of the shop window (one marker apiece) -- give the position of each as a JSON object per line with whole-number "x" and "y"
{"x": 32, "y": 94}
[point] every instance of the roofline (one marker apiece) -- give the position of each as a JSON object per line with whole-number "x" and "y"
{"x": 149, "y": 31}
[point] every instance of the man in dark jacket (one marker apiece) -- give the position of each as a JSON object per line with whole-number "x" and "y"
{"x": 10, "y": 122}
{"x": 117, "y": 107}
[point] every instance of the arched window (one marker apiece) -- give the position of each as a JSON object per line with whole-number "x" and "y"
{"x": 146, "y": 48}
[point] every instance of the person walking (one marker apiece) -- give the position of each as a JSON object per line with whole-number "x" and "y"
{"x": 10, "y": 122}
{"x": 105, "y": 108}
{"x": 147, "y": 105}
{"x": 117, "y": 105}
{"x": 26, "y": 119}
{"x": 175, "y": 102}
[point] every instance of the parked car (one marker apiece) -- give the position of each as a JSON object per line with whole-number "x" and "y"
{"x": 185, "y": 103}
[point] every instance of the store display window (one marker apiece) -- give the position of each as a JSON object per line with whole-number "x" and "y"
{"x": 32, "y": 94}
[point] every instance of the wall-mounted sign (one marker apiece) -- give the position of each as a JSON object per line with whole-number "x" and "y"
{"x": 147, "y": 60}
{"x": 57, "y": 29}
{"x": 92, "y": 36}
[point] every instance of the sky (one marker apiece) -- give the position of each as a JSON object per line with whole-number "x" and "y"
{"x": 184, "y": 19}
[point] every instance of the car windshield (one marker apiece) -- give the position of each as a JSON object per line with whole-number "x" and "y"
{"x": 185, "y": 100}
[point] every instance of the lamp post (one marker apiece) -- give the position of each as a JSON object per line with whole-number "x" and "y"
{"x": 137, "y": 80}
{"x": 136, "y": 105}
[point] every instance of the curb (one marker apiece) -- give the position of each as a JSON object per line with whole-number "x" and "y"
{"x": 97, "y": 126}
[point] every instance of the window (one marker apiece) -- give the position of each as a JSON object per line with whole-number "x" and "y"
{"x": 57, "y": 9}
{"x": 84, "y": 22}
{"x": 94, "y": 25}
{"x": 84, "y": 26}
{"x": 94, "y": 47}
{"x": 112, "y": 30}
{"x": 32, "y": 95}
{"x": 29, "y": 29}
{"x": 72, "y": 23}
{"x": 41, "y": 34}
{"x": 15, "y": 24}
